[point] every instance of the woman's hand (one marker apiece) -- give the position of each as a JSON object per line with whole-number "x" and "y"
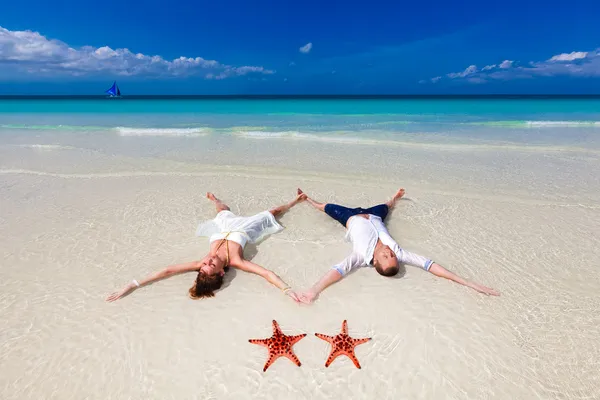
{"x": 308, "y": 296}
{"x": 293, "y": 295}
{"x": 117, "y": 295}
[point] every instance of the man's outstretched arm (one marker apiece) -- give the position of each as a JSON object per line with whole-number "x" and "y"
{"x": 442, "y": 272}
{"x": 327, "y": 280}
{"x": 335, "y": 274}
{"x": 406, "y": 257}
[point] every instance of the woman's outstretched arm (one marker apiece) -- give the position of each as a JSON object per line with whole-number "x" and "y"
{"x": 269, "y": 275}
{"x": 156, "y": 276}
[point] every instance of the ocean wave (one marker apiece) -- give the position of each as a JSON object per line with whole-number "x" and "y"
{"x": 44, "y": 147}
{"x": 54, "y": 127}
{"x": 167, "y": 132}
{"x": 330, "y": 137}
{"x": 539, "y": 124}
{"x": 343, "y": 138}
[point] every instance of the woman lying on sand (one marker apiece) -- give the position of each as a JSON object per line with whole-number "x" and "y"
{"x": 228, "y": 235}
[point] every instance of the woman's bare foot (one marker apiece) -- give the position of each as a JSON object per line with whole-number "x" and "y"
{"x": 218, "y": 203}
{"x": 211, "y": 197}
{"x": 301, "y": 197}
{"x": 317, "y": 205}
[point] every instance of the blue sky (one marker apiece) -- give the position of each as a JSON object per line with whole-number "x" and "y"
{"x": 309, "y": 47}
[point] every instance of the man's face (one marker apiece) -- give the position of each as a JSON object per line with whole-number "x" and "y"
{"x": 386, "y": 258}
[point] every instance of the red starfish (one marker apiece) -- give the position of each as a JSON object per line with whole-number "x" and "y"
{"x": 279, "y": 345}
{"x": 342, "y": 343}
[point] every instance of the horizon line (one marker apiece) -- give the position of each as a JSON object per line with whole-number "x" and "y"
{"x": 292, "y": 96}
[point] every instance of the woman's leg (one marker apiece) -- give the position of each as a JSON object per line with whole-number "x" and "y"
{"x": 284, "y": 208}
{"x": 218, "y": 203}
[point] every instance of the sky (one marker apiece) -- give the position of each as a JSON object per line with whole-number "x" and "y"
{"x": 308, "y": 47}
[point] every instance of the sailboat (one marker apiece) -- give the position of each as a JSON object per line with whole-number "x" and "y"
{"x": 114, "y": 90}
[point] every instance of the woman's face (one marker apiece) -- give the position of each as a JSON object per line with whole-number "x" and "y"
{"x": 211, "y": 265}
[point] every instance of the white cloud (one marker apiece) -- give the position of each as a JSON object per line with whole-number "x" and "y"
{"x": 577, "y": 64}
{"x": 470, "y": 70}
{"x": 306, "y": 48}
{"x": 576, "y": 55}
{"x": 31, "y": 52}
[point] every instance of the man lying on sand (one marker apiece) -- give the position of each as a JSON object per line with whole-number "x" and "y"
{"x": 373, "y": 246}
{"x": 228, "y": 235}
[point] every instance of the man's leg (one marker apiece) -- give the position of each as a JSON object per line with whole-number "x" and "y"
{"x": 392, "y": 202}
{"x": 382, "y": 210}
{"x": 340, "y": 213}
{"x": 281, "y": 209}
{"x": 218, "y": 203}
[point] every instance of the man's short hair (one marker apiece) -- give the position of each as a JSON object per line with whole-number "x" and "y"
{"x": 389, "y": 271}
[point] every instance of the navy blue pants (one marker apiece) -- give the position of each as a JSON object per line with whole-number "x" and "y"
{"x": 342, "y": 214}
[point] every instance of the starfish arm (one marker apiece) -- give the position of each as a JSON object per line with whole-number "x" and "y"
{"x": 295, "y": 339}
{"x": 345, "y": 327}
{"x": 276, "y": 328}
{"x": 351, "y": 356}
{"x": 293, "y": 358}
{"x": 332, "y": 357}
{"x": 271, "y": 360}
{"x": 325, "y": 337}
{"x": 356, "y": 342}
{"x": 261, "y": 342}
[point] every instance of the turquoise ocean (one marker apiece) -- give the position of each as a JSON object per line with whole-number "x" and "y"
{"x": 524, "y": 121}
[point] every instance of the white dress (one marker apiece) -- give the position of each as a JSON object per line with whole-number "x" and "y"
{"x": 238, "y": 229}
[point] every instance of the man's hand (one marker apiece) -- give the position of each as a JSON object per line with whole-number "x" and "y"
{"x": 485, "y": 290}
{"x": 308, "y": 296}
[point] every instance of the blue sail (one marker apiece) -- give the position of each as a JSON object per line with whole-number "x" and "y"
{"x": 114, "y": 89}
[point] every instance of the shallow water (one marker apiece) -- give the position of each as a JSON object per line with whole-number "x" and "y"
{"x": 86, "y": 211}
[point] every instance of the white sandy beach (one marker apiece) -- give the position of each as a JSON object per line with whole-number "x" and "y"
{"x": 82, "y": 216}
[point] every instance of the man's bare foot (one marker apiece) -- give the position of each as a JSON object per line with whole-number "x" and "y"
{"x": 399, "y": 194}
{"x": 211, "y": 197}
{"x": 396, "y": 197}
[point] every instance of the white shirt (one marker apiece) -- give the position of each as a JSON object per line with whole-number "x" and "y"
{"x": 363, "y": 233}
